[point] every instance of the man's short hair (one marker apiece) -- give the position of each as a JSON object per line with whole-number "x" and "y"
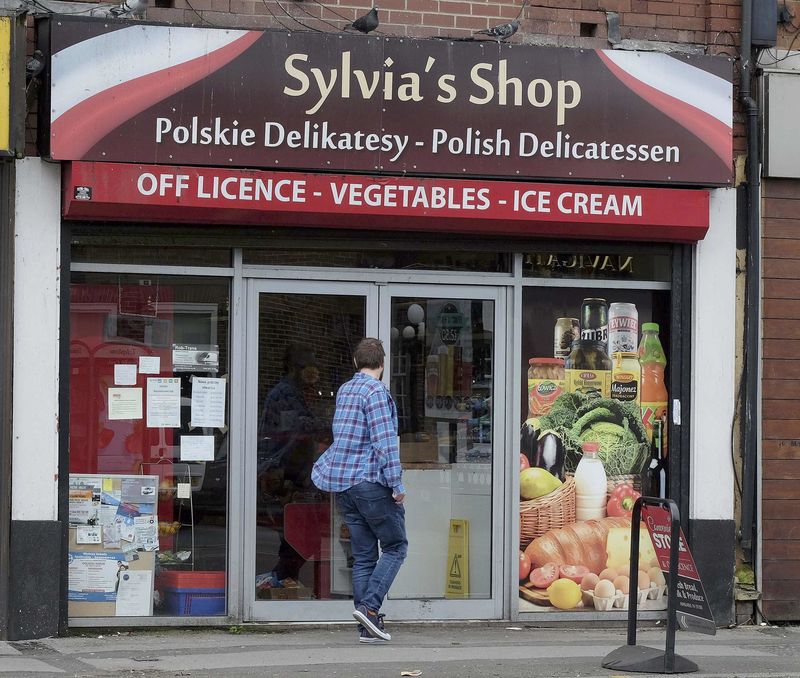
{"x": 369, "y": 353}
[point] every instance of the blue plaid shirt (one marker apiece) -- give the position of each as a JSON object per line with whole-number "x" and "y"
{"x": 364, "y": 439}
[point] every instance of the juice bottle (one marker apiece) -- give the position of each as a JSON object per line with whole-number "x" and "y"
{"x": 591, "y": 485}
{"x": 653, "y": 389}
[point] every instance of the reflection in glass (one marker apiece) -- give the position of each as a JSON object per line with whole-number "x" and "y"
{"x": 304, "y": 355}
{"x": 394, "y": 258}
{"x": 629, "y": 265}
{"x": 441, "y": 379}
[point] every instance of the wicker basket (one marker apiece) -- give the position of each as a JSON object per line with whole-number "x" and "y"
{"x": 537, "y": 516}
{"x": 634, "y": 480}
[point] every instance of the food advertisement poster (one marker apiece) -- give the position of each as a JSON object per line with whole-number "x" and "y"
{"x": 587, "y": 455}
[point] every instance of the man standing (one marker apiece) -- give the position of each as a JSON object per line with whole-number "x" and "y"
{"x": 363, "y": 468}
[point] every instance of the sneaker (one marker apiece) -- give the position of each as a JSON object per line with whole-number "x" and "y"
{"x": 364, "y": 635}
{"x": 371, "y": 621}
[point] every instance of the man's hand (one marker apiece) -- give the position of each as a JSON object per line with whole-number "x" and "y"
{"x": 398, "y": 498}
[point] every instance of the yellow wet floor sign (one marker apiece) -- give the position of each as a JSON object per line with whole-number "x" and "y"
{"x": 458, "y": 560}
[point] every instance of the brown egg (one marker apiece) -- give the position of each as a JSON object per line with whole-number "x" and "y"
{"x": 644, "y": 580}
{"x": 589, "y": 582}
{"x": 604, "y": 589}
{"x": 624, "y": 570}
{"x": 654, "y": 563}
{"x": 657, "y": 576}
{"x": 622, "y": 583}
{"x": 609, "y": 573}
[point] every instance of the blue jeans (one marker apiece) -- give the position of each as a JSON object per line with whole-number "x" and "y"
{"x": 372, "y": 516}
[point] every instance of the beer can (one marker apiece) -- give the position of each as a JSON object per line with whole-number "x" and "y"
{"x": 594, "y": 320}
{"x": 623, "y": 328}
{"x": 566, "y": 331}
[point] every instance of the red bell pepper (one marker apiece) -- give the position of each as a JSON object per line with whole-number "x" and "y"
{"x": 620, "y": 504}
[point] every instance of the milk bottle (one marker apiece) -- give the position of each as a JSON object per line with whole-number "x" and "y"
{"x": 590, "y": 485}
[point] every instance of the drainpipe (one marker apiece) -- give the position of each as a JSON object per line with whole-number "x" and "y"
{"x": 750, "y": 428}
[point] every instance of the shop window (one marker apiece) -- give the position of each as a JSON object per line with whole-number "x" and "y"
{"x": 153, "y": 255}
{"x": 598, "y": 265}
{"x": 148, "y": 481}
{"x": 487, "y": 262}
{"x": 593, "y": 379}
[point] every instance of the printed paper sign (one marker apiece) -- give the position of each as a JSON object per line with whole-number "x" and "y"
{"x": 93, "y": 577}
{"x": 82, "y": 507}
{"x": 149, "y": 364}
{"x": 124, "y": 403}
{"x": 88, "y": 535}
{"x": 197, "y": 448}
{"x": 196, "y": 358}
{"x": 208, "y": 402}
{"x": 135, "y": 593}
{"x": 163, "y": 402}
{"x": 124, "y": 375}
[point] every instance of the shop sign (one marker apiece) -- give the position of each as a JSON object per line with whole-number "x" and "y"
{"x": 5, "y": 83}
{"x": 385, "y": 105}
{"x": 693, "y": 611}
{"x": 12, "y": 84}
{"x": 113, "y": 191}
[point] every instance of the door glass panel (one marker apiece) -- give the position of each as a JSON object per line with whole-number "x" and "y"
{"x": 442, "y": 381}
{"x": 305, "y": 346}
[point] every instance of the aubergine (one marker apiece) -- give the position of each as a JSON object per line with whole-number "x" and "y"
{"x": 550, "y": 453}
{"x": 529, "y": 438}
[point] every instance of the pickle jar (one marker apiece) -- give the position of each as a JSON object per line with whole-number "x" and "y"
{"x": 588, "y": 369}
{"x": 545, "y": 384}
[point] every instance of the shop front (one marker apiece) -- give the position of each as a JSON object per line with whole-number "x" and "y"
{"x": 229, "y": 245}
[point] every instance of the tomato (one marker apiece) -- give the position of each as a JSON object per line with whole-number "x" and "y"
{"x": 524, "y": 565}
{"x": 545, "y": 575}
{"x": 523, "y": 462}
{"x": 574, "y": 572}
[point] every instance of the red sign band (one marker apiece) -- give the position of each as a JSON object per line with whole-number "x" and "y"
{"x": 112, "y": 191}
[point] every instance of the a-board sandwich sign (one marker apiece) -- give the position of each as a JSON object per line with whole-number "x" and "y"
{"x": 693, "y": 611}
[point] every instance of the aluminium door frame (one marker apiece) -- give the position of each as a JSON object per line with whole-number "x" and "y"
{"x": 494, "y": 607}
{"x": 279, "y": 610}
{"x": 377, "y": 297}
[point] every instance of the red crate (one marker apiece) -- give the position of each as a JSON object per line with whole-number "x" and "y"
{"x": 185, "y": 579}
{"x": 193, "y": 593}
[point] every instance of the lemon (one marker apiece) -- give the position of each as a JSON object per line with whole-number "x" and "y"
{"x": 564, "y": 594}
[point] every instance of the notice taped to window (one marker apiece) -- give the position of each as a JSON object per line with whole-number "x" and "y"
{"x": 196, "y": 358}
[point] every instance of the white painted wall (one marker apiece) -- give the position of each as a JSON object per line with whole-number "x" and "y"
{"x": 714, "y": 363}
{"x": 37, "y": 260}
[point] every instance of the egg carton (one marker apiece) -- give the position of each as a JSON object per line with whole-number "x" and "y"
{"x": 602, "y": 604}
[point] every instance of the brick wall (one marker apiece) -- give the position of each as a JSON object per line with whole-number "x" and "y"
{"x": 563, "y": 22}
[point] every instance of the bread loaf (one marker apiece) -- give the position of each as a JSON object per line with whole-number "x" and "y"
{"x": 581, "y": 543}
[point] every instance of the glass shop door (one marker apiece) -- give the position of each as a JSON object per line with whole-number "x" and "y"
{"x": 445, "y": 368}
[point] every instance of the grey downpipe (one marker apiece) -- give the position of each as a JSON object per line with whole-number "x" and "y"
{"x": 750, "y": 429}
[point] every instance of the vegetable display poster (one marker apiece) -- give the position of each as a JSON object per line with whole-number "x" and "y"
{"x": 583, "y": 463}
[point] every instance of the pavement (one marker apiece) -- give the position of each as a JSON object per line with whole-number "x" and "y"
{"x": 457, "y": 650}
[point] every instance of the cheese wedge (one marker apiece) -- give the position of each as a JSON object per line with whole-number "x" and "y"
{"x": 618, "y": 548}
